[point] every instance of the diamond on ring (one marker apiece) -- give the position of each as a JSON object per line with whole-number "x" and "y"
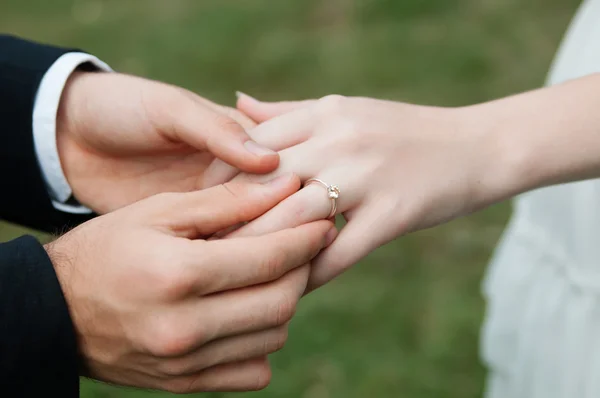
{"x": 333, "y": 193}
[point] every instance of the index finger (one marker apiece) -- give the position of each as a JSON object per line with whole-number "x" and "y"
{"x": 277, "y": 134}
{"x": 204, "y": 127}
{"x": 202, "y": 213}
{"x": 244, "y": 120}
{"x": 248, "y": 261}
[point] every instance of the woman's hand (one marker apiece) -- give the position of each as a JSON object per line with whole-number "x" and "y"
{"x": 402, "y": 168}
{"x": 399, "y": 167}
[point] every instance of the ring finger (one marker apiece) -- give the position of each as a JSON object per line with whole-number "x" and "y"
{"x": 310, "y": 204}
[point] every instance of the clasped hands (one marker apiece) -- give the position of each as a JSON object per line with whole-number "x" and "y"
{"x": 189, "y": 277}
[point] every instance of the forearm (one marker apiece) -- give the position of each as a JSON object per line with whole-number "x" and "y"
{"x": 539, "y": 138}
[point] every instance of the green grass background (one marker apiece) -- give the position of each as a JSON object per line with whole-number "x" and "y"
{"x": 405, "y": 321}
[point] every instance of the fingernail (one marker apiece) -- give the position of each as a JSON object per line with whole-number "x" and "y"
{"x": 331, "y": 235}
{"x": 258, "y": 150}
{"x": 239, "y": 94}
{"x": 279, "y": 182}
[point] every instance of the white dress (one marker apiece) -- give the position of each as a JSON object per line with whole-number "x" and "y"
{"x": 541, "y": 336}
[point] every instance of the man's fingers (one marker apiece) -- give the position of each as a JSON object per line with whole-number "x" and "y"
{"x": 230, "y": 349}
{"x": 202, "y": 127}
{"x": 251, "y": 375}
{"x": 303, "y": 160}
{"x": 250, "y": 309}
{"x": 241, "y": 311}
{"x": 307, "y": 205}
{"x": 220, "y": 171}
{"x": 202, "y": 213}
{"x": 278, "y": 134}
{"x": 248, "y": 261}
{"x": 245, "y": 121}
{"x": 261, "y": 111}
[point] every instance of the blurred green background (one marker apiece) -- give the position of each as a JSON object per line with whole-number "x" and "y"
{"x": 404, "y": 322}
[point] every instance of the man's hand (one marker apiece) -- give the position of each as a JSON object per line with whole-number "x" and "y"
{"x": 157, "y": 305}
{"x": 122, "y": 138}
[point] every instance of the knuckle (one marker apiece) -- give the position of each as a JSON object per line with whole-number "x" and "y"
{"x": 263, "y": 376}
{"x": 279, "y": 339}
{"x": 244, "y": 121}
{"x": 227, "y": 123}
{"x": 169, "y": 340}
{"x": 174, "y": 281}
{"x": 222, "y": 124}
{"x": 331, "y": 105}
{"x": 171, "y": 369}
{"x": 242, "y": 197}
{"x": 271, "y": 266}
{"x": 355, "y": 142}
{"x": 233, "y": 190}
{"x": 342, "y": 137}
{"x": 180, "y": 386}
{"x": 351, "y": 128}
{"x": 284, "y": 308}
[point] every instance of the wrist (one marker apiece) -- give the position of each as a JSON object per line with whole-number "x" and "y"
{"x": 540, "y": 138}
{"x": 35, "y": 315}
{"x": 67, "y": 119}
{"x": 503, "y": 164}
{"x": 521, "y": 146}
{"x": 62, "y": 264}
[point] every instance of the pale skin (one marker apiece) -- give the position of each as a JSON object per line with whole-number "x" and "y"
{"x": 122, "y": 138}
{"x": 157, "y": 305}
{"x": 158, "y": 301}
{"x": 402, "y": 167}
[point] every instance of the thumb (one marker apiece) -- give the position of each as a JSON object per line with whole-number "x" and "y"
{"x": 260, "y": 111}
{"x": 203, "y": 213}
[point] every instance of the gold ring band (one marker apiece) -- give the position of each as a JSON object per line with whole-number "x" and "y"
{"x": 333, "y": 193}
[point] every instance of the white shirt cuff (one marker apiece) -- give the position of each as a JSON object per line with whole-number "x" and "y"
{"x": 44, "y": 127}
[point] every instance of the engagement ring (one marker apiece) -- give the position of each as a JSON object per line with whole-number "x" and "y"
{"x": 333, "y": 193}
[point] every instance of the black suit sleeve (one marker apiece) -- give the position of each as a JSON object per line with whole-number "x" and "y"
{"x": 24, "y": 197}
{"x": 38, "y": 347}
